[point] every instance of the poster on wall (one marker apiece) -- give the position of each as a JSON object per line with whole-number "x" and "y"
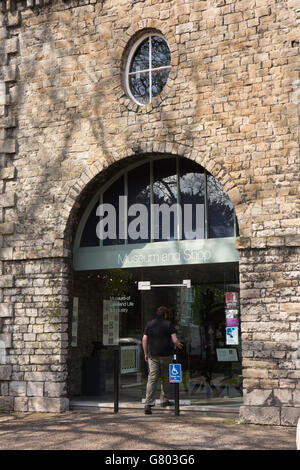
{"x": 232, "y": 335}
{"x": 111, "y": 318}
{"x": 232, "y": 321}
{"x": 231, "y": 297}
{"x": 231, "y": 317}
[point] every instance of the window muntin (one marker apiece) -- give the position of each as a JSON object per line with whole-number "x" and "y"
{"x": 148, "y": 68}
{"x": 167, "y": 181}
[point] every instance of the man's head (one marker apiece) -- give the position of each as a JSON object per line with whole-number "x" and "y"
{"x": 162, "y": 312}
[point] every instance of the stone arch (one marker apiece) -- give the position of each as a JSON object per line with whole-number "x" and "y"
{"x": 80, "y": 191}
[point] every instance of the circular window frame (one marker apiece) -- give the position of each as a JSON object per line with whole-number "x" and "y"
{"x": 133, "y": 49}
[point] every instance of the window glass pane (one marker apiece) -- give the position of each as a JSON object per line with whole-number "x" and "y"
{"x": 139, "y": 194}
{"x": 140, "y": 87}
{"x": 160, "y": 52}
{"x": 89, "y": 235}
{"x": 159, "y": 79}
{"x": 165, "y": 193}
{"x": 140, "y": 59}
{"x": 220, "y": 210}
{"x": 192, "y": 199}
{"x": 111, "y": 196}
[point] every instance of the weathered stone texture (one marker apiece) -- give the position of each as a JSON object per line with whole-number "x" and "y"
{"x": 231, "y": 103}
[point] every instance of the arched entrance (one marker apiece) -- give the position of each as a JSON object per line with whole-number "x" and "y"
{"x": 163, "y": 220}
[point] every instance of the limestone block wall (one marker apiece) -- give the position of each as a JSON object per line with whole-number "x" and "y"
{"x": 230, "y": 103}
{"x": 270, "y": 334}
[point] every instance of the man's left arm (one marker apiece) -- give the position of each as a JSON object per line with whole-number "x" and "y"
{"x": 176, "y": 341}
{"x": 145, "y": 346}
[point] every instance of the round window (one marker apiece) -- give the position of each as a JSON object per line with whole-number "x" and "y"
{"x": 148, "y": 68}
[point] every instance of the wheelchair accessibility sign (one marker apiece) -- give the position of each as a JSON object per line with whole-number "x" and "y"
{"x": 175, "y": 373}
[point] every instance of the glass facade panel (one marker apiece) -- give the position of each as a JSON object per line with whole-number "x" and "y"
{"x": 139, "y": 194}
{"x": 187, "y": 204}
{"x": 192, "y": 198}
{"x": 140, "y": 59}
{"x": 113, "y": 313}
{"x": 161, "y": 55}
{"x": 165, "y": 198}
{"x": 139, "y": 84}
{"x": 89, "y": 235}
{"x": 159, "y": 79}
{"x": 116, "y": 217}
{"x": 220, "y": 210}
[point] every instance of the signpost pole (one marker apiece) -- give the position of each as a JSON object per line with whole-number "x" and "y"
{"x": 177, "y": 412}
{"x": 116, "y": 378}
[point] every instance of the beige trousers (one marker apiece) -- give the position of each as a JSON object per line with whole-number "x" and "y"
{"x": 158, "y": 368}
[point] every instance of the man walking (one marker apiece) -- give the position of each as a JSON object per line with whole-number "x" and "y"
{"x": 158, "y": 340}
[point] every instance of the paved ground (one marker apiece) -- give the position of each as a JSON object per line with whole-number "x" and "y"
{"x": 132, "y": 430}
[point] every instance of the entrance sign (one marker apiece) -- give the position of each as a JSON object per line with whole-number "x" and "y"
{"x": 146, "y": 285}
{"x": 172, "y": 253}
{"x": 175, "y": 373}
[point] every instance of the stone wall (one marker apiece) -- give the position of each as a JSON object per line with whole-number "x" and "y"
{"x": 230, "y": 104}
{"x": 34, "y": 376}
{"x": 270, "y": 334}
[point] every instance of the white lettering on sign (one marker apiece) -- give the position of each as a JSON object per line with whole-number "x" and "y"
{"x": 188, "y": 255}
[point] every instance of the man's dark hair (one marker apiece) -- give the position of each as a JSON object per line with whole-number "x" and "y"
{"x": 161, "y": 312}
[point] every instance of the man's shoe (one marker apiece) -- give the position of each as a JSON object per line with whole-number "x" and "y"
{"x": 168, "y": 403}
{"x": 148, "y": 410}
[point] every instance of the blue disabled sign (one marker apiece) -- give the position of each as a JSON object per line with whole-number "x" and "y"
{"x": 175, "y": 373}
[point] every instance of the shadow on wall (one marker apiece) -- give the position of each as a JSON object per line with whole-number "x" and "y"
{"x": 2, "y": 352}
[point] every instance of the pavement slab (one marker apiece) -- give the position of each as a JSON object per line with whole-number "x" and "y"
{"x": 132, "y": 430}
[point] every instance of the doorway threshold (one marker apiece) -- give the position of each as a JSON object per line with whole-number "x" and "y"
{"x": 86, "y": 404}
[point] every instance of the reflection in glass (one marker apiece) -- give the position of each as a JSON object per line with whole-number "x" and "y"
{"x": 149, "y": 69}
{"x": 220, "y": 210}
{"x": 174, "y": 216}
{"x": 161, "y": 56}
{"x": 89, "y": 235}
{"x": 141, "y": 57}
{"x": 192, "y": 199}
{"x": 159, "y": 79}
{"x": 111, "y": 196}
{"x": 139, "y": 84}
{"x": 139, "y": 193}
{"x": 165, "y": 192}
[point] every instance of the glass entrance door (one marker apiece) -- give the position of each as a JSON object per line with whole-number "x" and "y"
{"x": 112, "y": 313}
{"x": 206, "y": 318}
